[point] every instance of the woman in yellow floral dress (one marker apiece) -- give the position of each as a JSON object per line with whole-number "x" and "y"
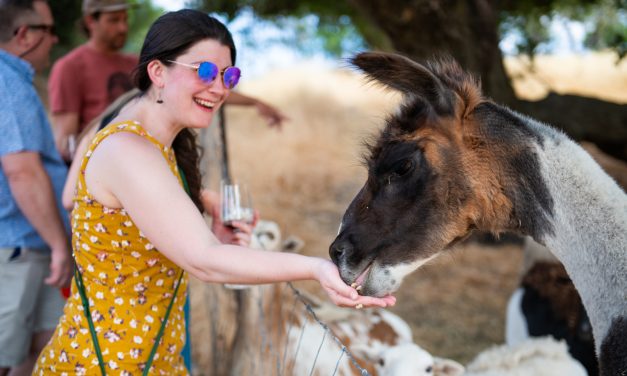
{"x": 135, "y": 229}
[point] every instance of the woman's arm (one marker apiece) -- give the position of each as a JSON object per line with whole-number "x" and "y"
{"x": 273, "y": 116}
{"x": 140, "y": 181}
{"x": 67, "y": 197}
{"x": 84, "y": 140}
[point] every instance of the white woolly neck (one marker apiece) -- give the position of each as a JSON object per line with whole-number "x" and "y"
{"x": 590, "y": 228}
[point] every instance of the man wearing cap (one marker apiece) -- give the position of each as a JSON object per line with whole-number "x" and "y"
{"x": 86, "y": 80}
{"x": 35, "y": 258}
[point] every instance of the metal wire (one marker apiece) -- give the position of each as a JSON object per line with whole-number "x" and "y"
{"x": 313, "y": 366}
{"x": 311, "y": 312}
{"x": 289, "y": 330}
{"x": 337, "y": 365}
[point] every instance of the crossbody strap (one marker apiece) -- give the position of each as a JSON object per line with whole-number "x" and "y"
{"x": 81, "y": 289}
{"x": 78, "y": 277}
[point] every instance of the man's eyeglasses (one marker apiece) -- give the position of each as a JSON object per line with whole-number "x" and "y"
{"x": 46, "y": 28}
{"x": 208, "y": 71}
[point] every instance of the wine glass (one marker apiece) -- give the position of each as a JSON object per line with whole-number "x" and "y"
{"x": 235, "y": 203}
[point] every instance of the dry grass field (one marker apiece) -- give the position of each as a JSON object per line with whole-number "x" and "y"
{"x": 304, "y": 176}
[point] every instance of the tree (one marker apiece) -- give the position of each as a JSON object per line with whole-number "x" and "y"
{"x": 470, "y": 31}
{"x": 68, "y": 13}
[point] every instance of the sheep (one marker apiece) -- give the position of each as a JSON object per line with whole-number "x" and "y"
{"x": 411, "y": 359}
{"x": 542, "y": 356}
{"x": 547, "y": 303}
{"x": 378, "y": 339}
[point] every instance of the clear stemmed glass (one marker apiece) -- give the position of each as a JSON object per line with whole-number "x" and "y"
{"x": 235, "y": 203}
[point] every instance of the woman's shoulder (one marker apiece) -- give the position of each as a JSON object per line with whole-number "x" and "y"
{"x": 129, "y": 132}
{"x": 123, "y": 139}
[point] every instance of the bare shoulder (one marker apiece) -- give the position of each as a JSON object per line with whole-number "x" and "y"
{"x": 124, "y": 147}
{"x": 119, "y": 161}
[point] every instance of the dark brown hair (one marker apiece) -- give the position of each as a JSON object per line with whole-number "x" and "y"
{"x": 170, "y": 36}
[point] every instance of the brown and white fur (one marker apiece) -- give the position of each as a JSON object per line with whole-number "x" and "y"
{"x": 450, "y": 161}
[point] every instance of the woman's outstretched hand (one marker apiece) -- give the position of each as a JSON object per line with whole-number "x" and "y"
{"x": 343, "y": 295}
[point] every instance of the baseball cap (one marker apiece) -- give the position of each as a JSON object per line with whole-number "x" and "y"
{"x": 93, "y": 6}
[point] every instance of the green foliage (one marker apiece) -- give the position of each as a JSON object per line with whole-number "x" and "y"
{"x": 605, "y": 20}
{"x": 68, "y": 14}
{"x": 311, "y": 26}
{"x": 533, "y": 31}
{"x": 611, "y": 27}
{"x": 141, "y": 16}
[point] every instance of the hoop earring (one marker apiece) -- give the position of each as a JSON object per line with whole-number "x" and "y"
{"x": 159, "y": 100}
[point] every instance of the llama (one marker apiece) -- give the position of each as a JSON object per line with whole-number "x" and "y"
{"x": 450, "y": 161}
{"x": 547, "y": 303}
{"x": 265, "y": 330}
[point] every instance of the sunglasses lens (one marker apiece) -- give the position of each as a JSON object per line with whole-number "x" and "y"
{"x": 207, "y": 71}
{"x": 231, "y": 77}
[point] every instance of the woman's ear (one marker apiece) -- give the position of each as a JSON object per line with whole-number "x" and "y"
{"x": 156, "y": 72}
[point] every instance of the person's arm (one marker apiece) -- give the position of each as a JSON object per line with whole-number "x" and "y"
{"x": 67, "y": 198}
{"x": 273, "y": 116}
{"x": 140, "y": 181}
{"x": 65, "y": 90}
{"x": 65, "y": 130}
{"x": 32, "y": 189}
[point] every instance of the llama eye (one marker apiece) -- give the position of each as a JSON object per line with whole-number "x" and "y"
{"x": 429, "y": 369}
{"x": 403, "y": 167}
{"x": 381, "y": 362}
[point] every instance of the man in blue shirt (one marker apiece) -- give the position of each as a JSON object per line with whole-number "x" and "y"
{"x": 35, "y": 259}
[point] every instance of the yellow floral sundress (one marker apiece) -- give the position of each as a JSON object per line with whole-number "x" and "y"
{"x": 129, "y": 285}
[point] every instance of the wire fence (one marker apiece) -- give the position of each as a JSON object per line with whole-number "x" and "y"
{"x": 267, "y": 344}
{"x": 281, "y": 357}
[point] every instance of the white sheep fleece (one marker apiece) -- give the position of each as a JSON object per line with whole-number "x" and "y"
{"x": 542, "y": 356}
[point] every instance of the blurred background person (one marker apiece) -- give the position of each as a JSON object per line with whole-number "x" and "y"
{"x": 34, "y": 248}
{"x": 91, "y": 76}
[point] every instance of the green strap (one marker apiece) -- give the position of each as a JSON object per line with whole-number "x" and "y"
{"x": 184, "y": 180}
{"x": 78, "y": 277}
{"x": 81, "y": 289}
{"x": 162, "y": 328}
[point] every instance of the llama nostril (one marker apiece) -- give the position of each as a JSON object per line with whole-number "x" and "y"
{"x": 339, "y": 249}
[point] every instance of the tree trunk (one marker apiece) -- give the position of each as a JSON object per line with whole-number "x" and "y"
{"x": 584, "y": 119}
{"x": 468, "y": 31}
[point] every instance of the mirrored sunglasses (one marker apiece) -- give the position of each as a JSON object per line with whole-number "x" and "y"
{"x": 208, "y": 71}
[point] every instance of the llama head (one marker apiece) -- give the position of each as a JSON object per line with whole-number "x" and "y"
{"x": 445, "y": 163}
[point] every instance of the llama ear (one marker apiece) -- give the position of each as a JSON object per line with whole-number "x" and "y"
{"x": 406, "y": 76}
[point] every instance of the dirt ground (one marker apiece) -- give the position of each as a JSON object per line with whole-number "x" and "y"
{"x": 304, "y": 176}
